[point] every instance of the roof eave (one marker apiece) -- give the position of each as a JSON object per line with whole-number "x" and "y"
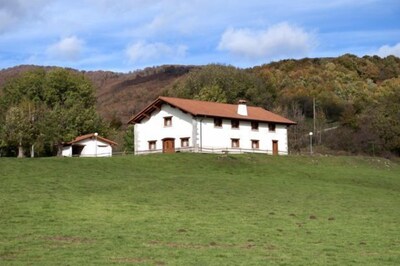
{"x": 151, "y": 107}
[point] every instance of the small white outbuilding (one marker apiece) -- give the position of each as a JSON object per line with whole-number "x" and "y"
{"x": 89, "y": 145}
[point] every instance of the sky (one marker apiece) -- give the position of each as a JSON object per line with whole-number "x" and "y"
{"x": 127, "y": 35}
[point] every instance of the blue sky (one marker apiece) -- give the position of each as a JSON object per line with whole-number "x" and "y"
{"x": 125, "y": 35}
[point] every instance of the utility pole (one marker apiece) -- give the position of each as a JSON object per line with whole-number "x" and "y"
{"x": 314, "y": 114}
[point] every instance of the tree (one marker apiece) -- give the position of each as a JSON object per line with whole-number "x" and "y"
{"x": 50, "y": 108}
{"x": 18, "y": 127}
{"x": 211, "y": 93}
{"x": 224, "y": 84}
{"x": 129, "y": 144}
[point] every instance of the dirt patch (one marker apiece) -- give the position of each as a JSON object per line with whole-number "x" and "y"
{"x": 182, "y": 230}
{"x": 271, "y": 247}
{"x": 313, "y": 217}
{"x": 331, "y": 218}
{"x": 212, "y": 244}
{"x": 68, "y": 239}
{"x": 8, "y": 256}
{"x": 292, "y": 214}
{"x": 249, "y": 246}
{"x": 128, "y": 260}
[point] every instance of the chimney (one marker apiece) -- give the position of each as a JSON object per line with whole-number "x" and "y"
{"x": 242, "y": 108}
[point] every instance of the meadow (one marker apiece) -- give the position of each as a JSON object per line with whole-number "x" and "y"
{"x": 197, "y": 209}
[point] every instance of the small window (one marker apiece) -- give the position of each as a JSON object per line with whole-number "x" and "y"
{"x": 235, "y": 143}
{"x": 255, "y": 144}
{"x": 184, "y": 142}
{"x": 168, "y": 121}
{"x": 217, "y": 122}
{"x": 254, "y": 125}
{"x": 235, "y": 123}
{"x": 271, "y": 127}
{"x": 152, "y": 145}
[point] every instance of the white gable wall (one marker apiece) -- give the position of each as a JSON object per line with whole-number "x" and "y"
{"x": 103, "y": 149}
{"x": 153, "y": 128}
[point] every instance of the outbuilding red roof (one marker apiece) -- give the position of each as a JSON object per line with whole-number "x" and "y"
{"x": 211, "y": 109}
{"x": 91, "y": 136}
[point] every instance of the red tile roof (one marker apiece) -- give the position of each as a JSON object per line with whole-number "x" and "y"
{"x": 212, "y": 109}
{"x": 89, "y": 136}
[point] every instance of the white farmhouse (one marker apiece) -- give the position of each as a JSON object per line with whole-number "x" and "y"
{"x": 90, "y": 145}
{"x": 175, "y": 124}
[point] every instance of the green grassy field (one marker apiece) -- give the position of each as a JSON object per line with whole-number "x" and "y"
{"x": 196, "y": 209}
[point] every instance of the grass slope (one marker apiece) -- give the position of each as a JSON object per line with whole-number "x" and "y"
{"x": 199, "y": 209}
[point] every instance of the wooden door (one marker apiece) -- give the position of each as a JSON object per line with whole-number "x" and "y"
{"x": 275, "y": 147}
{"x": 168, "y": 145}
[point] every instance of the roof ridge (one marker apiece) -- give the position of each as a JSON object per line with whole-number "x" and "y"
{"x": 211, "y": 109}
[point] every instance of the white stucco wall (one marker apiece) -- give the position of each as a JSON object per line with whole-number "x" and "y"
{"x": 153, "y": 128}
{"x": 221, "y": 137}
{"x": 103, "y": 149}
{"x": 203, "y": 135}
{"x": 67, "y": 151}
{"x": 92, "y": 148}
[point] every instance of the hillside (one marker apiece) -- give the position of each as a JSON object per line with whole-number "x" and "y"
{"x": 200, "y": 209}
{"x": 356, "y": 96}
{"x": 120, "y": 95}
{"x": 335, "y": 82}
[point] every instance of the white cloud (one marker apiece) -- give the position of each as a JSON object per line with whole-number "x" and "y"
{"x": 68, "y": 48}
{"x": 386, "y": 50}
{"x": 142, "y": 51}
{"x": 280, "y": 40}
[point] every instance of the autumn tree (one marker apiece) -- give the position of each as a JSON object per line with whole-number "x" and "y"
{"x": 224, "y": 84}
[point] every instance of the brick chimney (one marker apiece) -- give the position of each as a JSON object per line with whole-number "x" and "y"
{"x": 242, "y": 108}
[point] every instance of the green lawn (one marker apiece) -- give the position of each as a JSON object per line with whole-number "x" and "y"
{"x": 196, "y": 209}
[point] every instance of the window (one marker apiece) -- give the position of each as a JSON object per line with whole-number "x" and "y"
{"x": 255, "y": 144}
{"x": 235, "y": 123}
{"x": 152, "y": 145}
{"x": 254, "y": 125}
{"x": 271, "y": 127}
{"x": 168, "y": 121}
{"x": 184, "y": 142}
{"x": 235, "y": 143}
{"x": 217, "y": 122}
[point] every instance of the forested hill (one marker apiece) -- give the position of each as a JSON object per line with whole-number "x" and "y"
{"x": 360, "y": 97}
{"x": 119, "y": 95}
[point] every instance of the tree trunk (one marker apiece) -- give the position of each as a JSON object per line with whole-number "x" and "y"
{"x": 20, "y": 151}
{"x": 33, "y": 150}
{"x": 59, "y": 149}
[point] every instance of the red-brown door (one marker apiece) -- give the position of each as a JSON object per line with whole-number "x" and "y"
{"x": 275, "y": 147}
{"x": 168, "y": 145}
